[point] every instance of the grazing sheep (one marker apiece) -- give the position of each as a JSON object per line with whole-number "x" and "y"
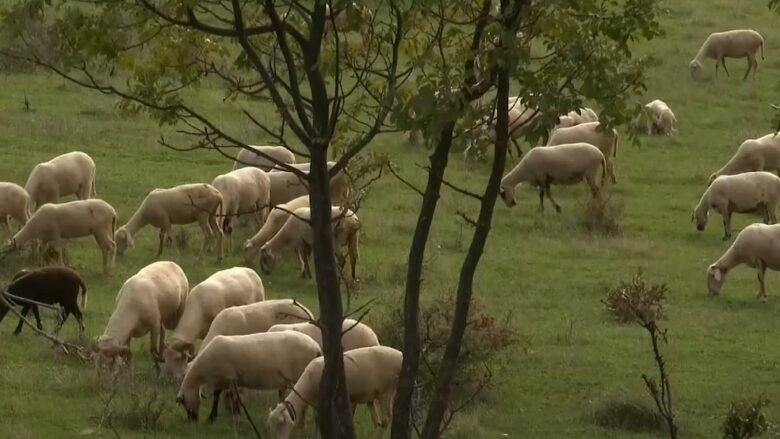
{"x": 49, "y": 285}
{"x": 14, "y": 202}
{"x": 576, "y": 117}
{"x": 296, "y": 234}
{"x": 183, "y": 204}
{"x": 372, "y": 377}
{"x": 560, "y": 164}
{"x": 286, "y": 186}
{"x": 741, "y": 193}
{"x": 256, "y": 317}
{"x": 263, "y": 361}
{"x": 354, "y": 334}
{"x": 762, "y": 154}
{"x": 590, "y": 132}
{"x": 54, "y": 223}
{"x": 66, "y": 174}
{"x": 656, "y": 118}
{"x": 757, "y": 246}
{"x": 247, "y": 157}
{"x": 273, "y": 223}
{"x": 243, "y": 190}
{"x": 520, "y": 117}
{"x": 740, "y": 43}
{"x": 232, "y": 287}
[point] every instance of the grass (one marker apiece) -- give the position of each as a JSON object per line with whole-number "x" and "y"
{"x": 546, "y": 268}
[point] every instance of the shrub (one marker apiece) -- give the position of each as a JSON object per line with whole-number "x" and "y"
{"x": 601, "y": 215}
{"x": 133, "y": 408}
{"x": 627, "y": 415}
{"x": 745, "y": 419}
{"x": 636, "y": 301}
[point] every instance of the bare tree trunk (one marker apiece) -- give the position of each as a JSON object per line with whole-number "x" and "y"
{"x": 402, "y": 408}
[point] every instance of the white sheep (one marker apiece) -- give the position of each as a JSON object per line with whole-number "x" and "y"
{"x": 276, "y": 219}
{"x": 247, "y": 157}
{"x": 55, "y": 223}
{"x": 243, "y": 190}
{"x": 354, "y": 334}
{"x": 256, "y": 317}
{"x": 263, "y": 361}
{"x": 741, "y": 193}
{"x": 739, "y": 43}
{"x": 372, "y": 377}
{"x": 576, "y": 117}
{"x": 286, "y": 186}
{"x": 296, "y": 235}
{"x": 231, "y": 287}
{"x": 757, "y": 246}
{"x": 183, "y": 204}
{"x": 149, "y": 302}
{"x": 656, "y": 118}
{"x": 762, "y": 154}
{"x": 14, "y": 202}
{"x": 66, "y": 174}
{"x": 560, "y": 164}
{"x": 590, "y": 132}
{"x": 520, "y": 116}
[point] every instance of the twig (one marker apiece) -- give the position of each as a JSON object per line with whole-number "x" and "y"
{"x": 237, "y": 395}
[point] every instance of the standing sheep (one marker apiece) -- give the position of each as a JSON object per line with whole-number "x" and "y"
{"x": 247, "y": 157}
{"x": 740, "y": 43}
{"x": 286, "y": 186}
{"x": 741, "y": 193}
{"x": 590, "y": 132}
{"x": 656, "y": 118}
{"x": 232, "y": 287}
{"x": 243, "y": 190}
{"x": 354, "y": 334}
{"x": 14, "y": 202}
{"x": 561, "y": 164}
{"x": 576, "y": 117}
{"x": 49, "y": 285}
{"x": 757, "y": 246}
{"x": 149, "y": 302}
{"x": 762, "y": 154}
{"x": 55, "y": 223}
{"x": 183, "y": 204}
{"x": 66, "y": 174}
{"x": 276, "y": 219}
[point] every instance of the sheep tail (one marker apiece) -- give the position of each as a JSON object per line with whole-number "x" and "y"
{"x": 761, "y": 46}
{"x": 603, "y": 170}
{"x": 93, "y": 190}
{"x": 83, "y": 300}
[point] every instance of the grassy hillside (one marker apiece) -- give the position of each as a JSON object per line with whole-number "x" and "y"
{"x": 545, "y": 268}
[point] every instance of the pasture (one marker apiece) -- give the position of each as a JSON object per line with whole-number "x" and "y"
{"x": 545, "y": 268}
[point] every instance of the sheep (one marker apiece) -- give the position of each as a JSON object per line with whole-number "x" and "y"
{"x": 247, "y": 157}
{"x": 741, "y": 193}
{"x": 231, "y": 287}
{"x": 762, "y": 154}
{"x": 347, "y": 19}
{"x": 739, "y": 43}
{"x": 48, "y": 285}
{"x": 576, "y": 117}
{"x": 371, "y": 377}
{"x": 273, "y": 223}
{"x": 150, "y": 301}
{"x": 54, "y": 223}
{"x": 755, "y": 246}
{"x": 183, "y": 204}
{"x": 263, "y": 361}
{"x": 590, "y": 132}
{"x": 354, "y": 334}
{"x": 656, "y": 118}
{"x": 243, "y": 190}
{"x": 286, "y": 186}
{"x": 66, "y": 174}
{"x": 14, "y": 202}
{"x": 560, "y": 164}
{"x": 296, "y": 234}
{"x": 520, "y": 117}
{"x": 256, "y": 317}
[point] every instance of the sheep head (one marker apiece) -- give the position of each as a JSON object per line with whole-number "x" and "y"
{"x": 695, "y": 67}
{"x": 176, "y": 357}
{"x": 267, "y": 261}
{"x": 699, "y": 218}
{"x": 250, "y": 251}
{"x": 281, "y": 421}
{"x": 190, "y": 401}
{"x": 715, "y": 278}
{"x": 123, "y": 240}
{"x": 508, "y": 195}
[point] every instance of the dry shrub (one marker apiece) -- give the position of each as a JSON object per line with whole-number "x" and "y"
{"x": 627, "y": 415}
{"x": 601, "y": 215}
{"x": 745, "y": 419}
{"x": 636, "y": 301}
{"x": 134, "y": 408}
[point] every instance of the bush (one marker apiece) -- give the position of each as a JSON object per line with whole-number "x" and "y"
{"x": 627, "y": 415}
{"x": 636, "y": 301}
{"x": 133, "y": 408}
{"x": 745, "y": 419}
{"x": 601, "y": 215}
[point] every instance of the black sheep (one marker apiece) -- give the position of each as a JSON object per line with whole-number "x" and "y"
{"x": 49, "y": 285}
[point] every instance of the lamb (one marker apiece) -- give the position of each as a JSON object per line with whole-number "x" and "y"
{"x": 576, "y": 117}
{"x": 561, "y": 164}
{"x": 272, "y": 225}
{"x": 590, "y": 132}
{"x": 256, "y": 317}
{"x": 261, "y": 361}
{"x": 739, "y": 43}
{"x": 243, "y": 190}
{"x": 762, "y": 154}
{"x": 54, "y": 223}
{"x": 183, "y": 204}
{"x": 741, "y": 193}
{"x": 149, "y": 302}
{"x": 232, "y": 287}
{"x": 14, "y": 202}
{"x": 354, "y": 334}
{"x": 247, "y": 157}
{"x": 286, "y": 186}
{"x": 656, "y": 118}
{"x": 757, "y": 246}
{"x": 296, "y": 234}
{"x": 66, "y": 174}
{"x": 49, "y": 285}
{"x": 371, "y": 375}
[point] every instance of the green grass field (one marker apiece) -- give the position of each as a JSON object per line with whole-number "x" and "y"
{"x": 549, "y": 272}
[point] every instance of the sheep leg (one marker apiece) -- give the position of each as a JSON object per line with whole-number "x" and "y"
{"x": 750, "y": 61}
{"x": 4, "y": 225}
{"x": 162, "y": 241}
{"x": 761, "y": 268}
{"x": 723, "y": 61}
{"x": 215, "y": 405}
{"x": 217, "y": 235}
{"x": 58, "y": 247}
{"x": 207, "y": 235}
{"x": 549, "y": 196}
{"x": 108, "y": 249}
{"x": 541, "y": 199}
{"x": 25, "y": 310}
{"x": 611, "y": 169}
{"x": 727, "y": 224}
{"x": 154, "y": 344}
{"x": 37, "y": 317}
{"x": 79, "y": 319}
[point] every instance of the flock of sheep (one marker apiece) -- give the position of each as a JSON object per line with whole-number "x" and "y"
{"x": 271, "y": 344}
